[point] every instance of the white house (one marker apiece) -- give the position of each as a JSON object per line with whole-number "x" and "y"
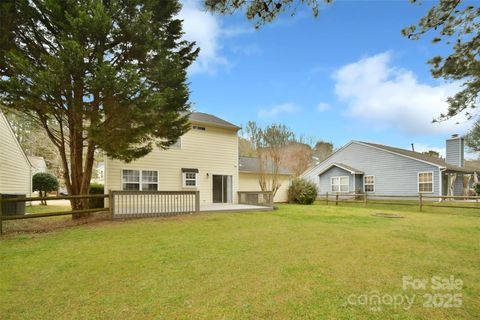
{"x": 15, "y": 168}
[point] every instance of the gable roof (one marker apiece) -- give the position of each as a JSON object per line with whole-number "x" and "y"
{"x": 439, "y": 162}
{"x": 252, "y": 165}
{"x": 200, "y": 117}
{"x": 341, "y": 166}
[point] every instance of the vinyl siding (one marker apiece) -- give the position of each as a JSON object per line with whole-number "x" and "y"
{"x": 458, "y": 186}
{"x": 213, "y": 151}
{"x": 358, "y": 182}
{"x": 249, "y": 182}
{"x": 15, "y": 170}
{"x": 394, "y": 174}
{"x": 324, "y": 179}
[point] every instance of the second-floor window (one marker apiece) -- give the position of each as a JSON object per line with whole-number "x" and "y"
{"x": 177, "y": 145}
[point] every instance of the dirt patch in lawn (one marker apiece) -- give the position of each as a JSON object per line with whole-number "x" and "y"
{"x": 387, "y": 215}
{"x": 49, "y": 224}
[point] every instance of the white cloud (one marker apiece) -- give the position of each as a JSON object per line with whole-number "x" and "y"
{"x": 278, "y": 110}
{"x": 389, "y": 97}
{"x": 322, "y": 106}
{"x": 206, "y": 30}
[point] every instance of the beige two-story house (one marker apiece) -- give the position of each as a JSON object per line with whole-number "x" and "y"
{"x": 204, "y": 159}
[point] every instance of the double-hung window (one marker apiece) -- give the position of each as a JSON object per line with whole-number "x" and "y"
{"x": 425, "y": 182}
{"x": 369, "y": 183}
{"x": 140, "y": 180}
{"x": 339, "y": 184}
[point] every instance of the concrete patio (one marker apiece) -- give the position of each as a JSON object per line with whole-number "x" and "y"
{"x": 211, "y": 207}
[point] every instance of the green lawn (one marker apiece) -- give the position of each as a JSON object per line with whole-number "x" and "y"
{"x": 296, "y": 262}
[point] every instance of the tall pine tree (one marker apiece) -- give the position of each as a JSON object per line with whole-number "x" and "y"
{"x": 96, "y": 74}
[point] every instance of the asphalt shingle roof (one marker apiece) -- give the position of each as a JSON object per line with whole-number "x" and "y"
{"x": 422, "y": 157}
{"x": 251, "y": 164}
{"x": 200, "y": 117}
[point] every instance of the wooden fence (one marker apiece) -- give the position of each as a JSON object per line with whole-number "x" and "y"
{"x": 420, "y": 200}
{"x": 48, "y": 214}
{"x": 121, "y": 204}
{"x": 136, "y": 204}
{"x": 259, "y": 198}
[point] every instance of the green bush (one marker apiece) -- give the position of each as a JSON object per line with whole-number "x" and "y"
{"x": 477, "y": 188}
{"x": 302, "y": 191}
{"x": 44, "y": 183}
{"x": 96, "y": 188}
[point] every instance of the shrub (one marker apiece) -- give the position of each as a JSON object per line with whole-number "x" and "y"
{"x": 477, "y": 188}
{"x": 43, "y": 183}
{"x": 302, "y": 191}
{"x": 96, "y": 188}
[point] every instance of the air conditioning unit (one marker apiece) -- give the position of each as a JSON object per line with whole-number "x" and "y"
{"x": 13, "y": 208}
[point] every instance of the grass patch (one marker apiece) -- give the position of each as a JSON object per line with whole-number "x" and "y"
{"x": 295, "y": 262}
{"x": 44, "y": 209}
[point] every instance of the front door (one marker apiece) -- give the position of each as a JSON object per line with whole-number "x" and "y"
{"x": 222, "y": 189}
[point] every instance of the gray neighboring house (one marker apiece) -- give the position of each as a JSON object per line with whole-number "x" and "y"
{"x": 379, "y": 169}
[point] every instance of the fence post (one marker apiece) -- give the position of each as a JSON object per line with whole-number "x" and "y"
{"x": 326, "y": 194}
{"x": 110, "y": 203}
{"x": 420, "y": 204}
{"x": 1, "y": 213}
{"x": 336, "y": 199}
{"x": 197, "y": 201}
{"x": 365, "y": 199}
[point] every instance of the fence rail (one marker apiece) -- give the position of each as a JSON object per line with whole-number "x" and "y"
{"x": 47, "y": 214}
{"x": 136, "y": 204}
{"x": 259, "y": 198}
{"x": 420, "y": 200}
{"x": 121, "y": 204}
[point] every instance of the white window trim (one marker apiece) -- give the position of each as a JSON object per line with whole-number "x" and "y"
{"x": 418, "y": 182}
{"x": 374, "y": 183}
{"x": 175, "y": 146}
{"x": 184, "y": 180}
{"x": 339, "y": 184}
{"x": 140, "y": 183}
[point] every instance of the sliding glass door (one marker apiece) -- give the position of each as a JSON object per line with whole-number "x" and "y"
{"x": 222, "y": 188}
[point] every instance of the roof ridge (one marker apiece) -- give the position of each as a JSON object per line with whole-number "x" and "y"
{"x": 402, "y": 149}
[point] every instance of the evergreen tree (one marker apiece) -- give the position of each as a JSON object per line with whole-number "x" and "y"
{"x": 456, "y": 24}
{"x": 95, "y": 74}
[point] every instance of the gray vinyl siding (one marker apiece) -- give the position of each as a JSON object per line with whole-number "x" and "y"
{"x": 458, "y": 186}
{"x": 454, "y": 152}
{"x": 324, "y": 179}
{"x": 359, "y": 182}
{"x": 394, "y": 174}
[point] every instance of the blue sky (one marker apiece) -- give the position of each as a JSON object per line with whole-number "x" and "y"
{"x": 347, "y": 75}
